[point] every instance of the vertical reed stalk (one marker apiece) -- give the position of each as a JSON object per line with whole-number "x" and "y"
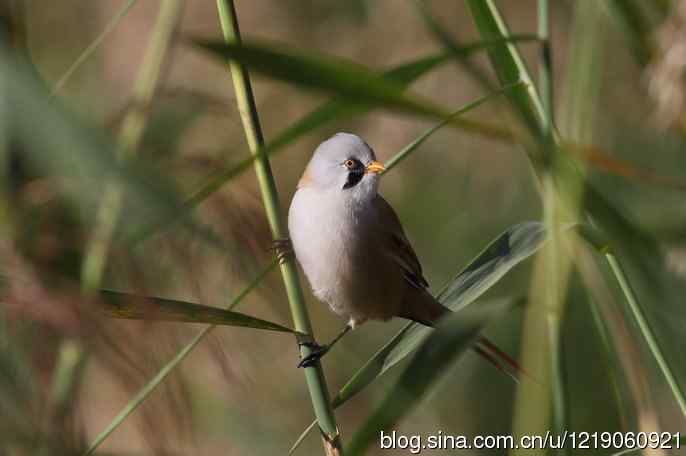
{"x": 95, "y": 257}
{"x": 314, "y": 375}
{"x": 559, "y": 264}
{"x": 541, "y": 345}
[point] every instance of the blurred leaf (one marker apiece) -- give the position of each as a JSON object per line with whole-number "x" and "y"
{"x": 625, "y": 237}
{"x": 356, "y": 82}
{"x": 127, "y": 306}
{"x": 452, "y": 337}
{"x": 630, "y": 171}
{"x": 410, "y": 148}
{"x": 170, "y": 117}
{"x": 499, "y": 257}
{"x": 82, "y": 157}
{"x": 338, "y": 107}
{"x": 636, "y": 27}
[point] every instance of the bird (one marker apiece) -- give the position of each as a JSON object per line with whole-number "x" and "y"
{"x": 352, "y": 247}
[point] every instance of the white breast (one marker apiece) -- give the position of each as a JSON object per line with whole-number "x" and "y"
{"x": 320, "y": 228}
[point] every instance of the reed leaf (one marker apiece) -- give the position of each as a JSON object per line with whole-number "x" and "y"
{"x": 132, "y": 307}
{"x": 169, "y": 367}
{"x": 451, "y": 338}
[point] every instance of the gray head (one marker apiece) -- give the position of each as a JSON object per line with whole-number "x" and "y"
{"x": 343, "y": 163}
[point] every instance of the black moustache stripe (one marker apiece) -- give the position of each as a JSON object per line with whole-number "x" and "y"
{"x": 354, "y": 178}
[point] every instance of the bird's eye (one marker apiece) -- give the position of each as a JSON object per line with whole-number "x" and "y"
{"x": 349, "y": 163}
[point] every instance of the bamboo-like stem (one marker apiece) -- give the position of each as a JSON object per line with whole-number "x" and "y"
{"x": 541, "y": 345}
{"x": 248, "y": 111}
{"x": 559, "y": 265}
{"x": 646, "y": 330}
{"x": 95, "y": 257}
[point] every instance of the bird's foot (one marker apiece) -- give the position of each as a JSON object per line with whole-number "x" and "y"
{"x": 317, "y": 352}
{"x": 283, "y": 249}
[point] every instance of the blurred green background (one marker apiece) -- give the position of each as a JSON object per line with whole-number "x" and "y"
{"x": 239, "y": 392}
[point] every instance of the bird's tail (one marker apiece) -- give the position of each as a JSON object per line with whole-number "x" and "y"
{"x": 429, "y": 311}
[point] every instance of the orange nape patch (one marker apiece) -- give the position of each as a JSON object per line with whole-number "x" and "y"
{"x": 305, "y": 180}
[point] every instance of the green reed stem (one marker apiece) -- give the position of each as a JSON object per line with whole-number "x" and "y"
{"x": 560, "y": 265}
{"x": 95, "y": 256}
{"x": 314, "y": 375}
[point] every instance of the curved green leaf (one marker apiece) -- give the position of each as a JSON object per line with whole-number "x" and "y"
{"x": 356, "y": 82}
{"x": 127, "y": 306}
{"x": 169, "y": 367}
{"x": 452, "y": 337}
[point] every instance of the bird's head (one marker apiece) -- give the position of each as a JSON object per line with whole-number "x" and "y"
{"x": 344, "y": 163}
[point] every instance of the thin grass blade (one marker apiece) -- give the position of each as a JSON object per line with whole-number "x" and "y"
{"x": 356, "y": 82}
{"x": 80, "y": 156}
{"x": 91, "y": 48}
{"x": 410, "y": 148}
{"x": 647, "y": 331}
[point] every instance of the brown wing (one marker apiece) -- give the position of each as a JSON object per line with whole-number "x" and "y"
{"x": 398, "y": 247}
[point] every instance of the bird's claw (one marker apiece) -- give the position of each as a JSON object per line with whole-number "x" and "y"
{"x": 317, "y": 352}
{"x": 283, "y": 249}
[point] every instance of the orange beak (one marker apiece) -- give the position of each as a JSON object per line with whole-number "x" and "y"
{"x": 375, "y": 167}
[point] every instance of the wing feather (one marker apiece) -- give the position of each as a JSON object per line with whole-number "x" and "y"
{"x": 398, "y": 246}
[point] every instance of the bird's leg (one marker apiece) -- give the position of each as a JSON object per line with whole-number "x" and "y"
{"x": 320, "y": 350}
{"x": 283, "y": 249}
